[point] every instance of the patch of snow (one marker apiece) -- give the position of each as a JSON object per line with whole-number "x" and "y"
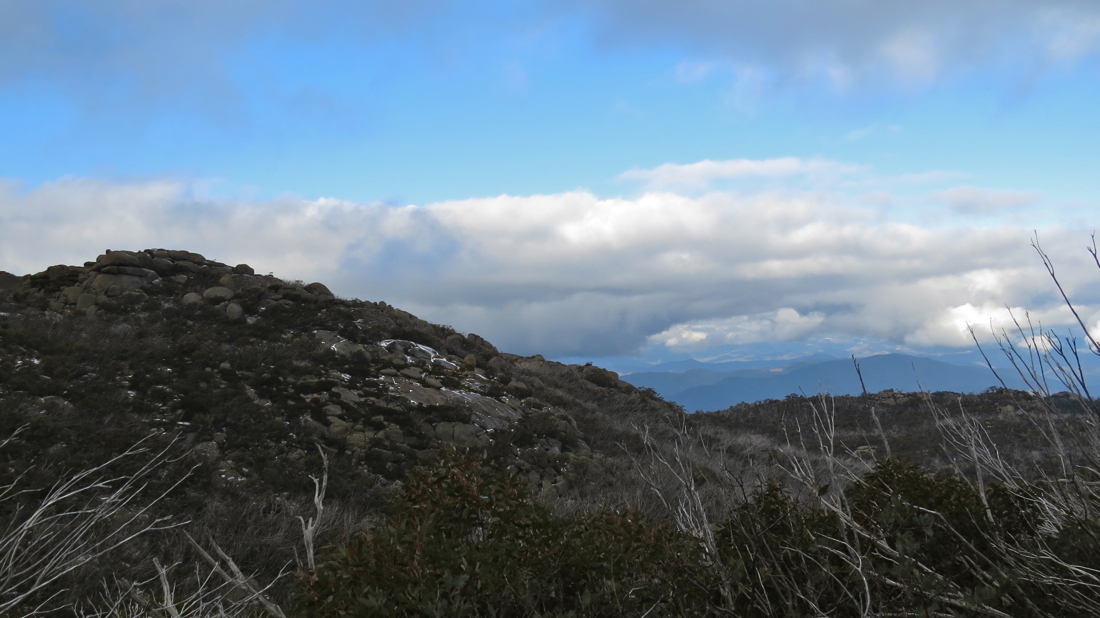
{"x": 446, "y": 364}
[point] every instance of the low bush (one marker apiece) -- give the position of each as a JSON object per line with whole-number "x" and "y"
{"x": 465, "y": 540}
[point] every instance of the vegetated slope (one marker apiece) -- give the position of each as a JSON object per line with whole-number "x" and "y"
{"x": 254, "y": 370}
{"x": 252, "y": 374}
{"x": 837, "y": 377}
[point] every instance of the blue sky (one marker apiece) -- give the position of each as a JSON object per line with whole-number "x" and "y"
{"x": 578, "y": 179}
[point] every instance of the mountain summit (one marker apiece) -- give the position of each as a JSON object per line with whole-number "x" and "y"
{"x": 252, "y": 370}
{"x": 253, "y": 389}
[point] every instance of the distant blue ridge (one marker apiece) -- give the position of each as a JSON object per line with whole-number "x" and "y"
{"x": 703, "y": 389}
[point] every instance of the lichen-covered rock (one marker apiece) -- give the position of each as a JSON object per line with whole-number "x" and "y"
{"x": 8, "y": 281}
{"x": 207, "y": 451}
{"x": 217, "y": 293}
{"x": 234, "y": 311}
{"x": 319, "y": 289}
{"x": 84, "y": 301}
{"x": 103, "y": 281}
{"x": 118, "y": 258}
{"x": 347, "y": 394}
{"x": 360, "y": 440}
{"x": 338, "y": 428}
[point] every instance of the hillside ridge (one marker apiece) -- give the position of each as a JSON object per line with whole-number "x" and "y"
{"x": 253, "y": 369}
{"x": 253, "y": 386}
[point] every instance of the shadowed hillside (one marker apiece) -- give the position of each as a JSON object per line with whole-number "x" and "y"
{"x": 198, "y": 410}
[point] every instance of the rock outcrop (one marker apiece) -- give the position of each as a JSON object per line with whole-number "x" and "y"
{"x": 254, "y": 370}
{"x": 8, "y": 281}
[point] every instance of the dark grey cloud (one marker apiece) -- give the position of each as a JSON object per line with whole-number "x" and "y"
{"x": 137, "y": 54}
{"x": 976, "y": 201}
{"x": 852, "y": 41}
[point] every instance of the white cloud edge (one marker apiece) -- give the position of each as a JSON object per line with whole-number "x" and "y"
{"x": 554, "y": 273}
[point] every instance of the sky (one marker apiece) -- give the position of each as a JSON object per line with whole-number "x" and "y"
{"x": 585, "y": 180}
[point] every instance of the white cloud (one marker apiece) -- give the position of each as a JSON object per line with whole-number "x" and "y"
{"x": 571, "y": 273}
{"x": 952, "y": 326}
{"x": 781, "y": 325}
{"x": 701, "y": 174}
{"x": 977, "y": 202}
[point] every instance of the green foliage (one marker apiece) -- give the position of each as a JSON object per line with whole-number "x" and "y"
{"x": 464, "y": 540}
{"x": 778, "y": 558}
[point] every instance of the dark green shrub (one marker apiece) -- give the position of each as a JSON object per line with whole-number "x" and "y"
{"x": 464, "y": 540}
{"x": 779, "y": 559}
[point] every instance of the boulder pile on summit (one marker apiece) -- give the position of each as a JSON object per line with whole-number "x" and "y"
{"x": 121, "y": 278}
{"x": 254, "y": 371}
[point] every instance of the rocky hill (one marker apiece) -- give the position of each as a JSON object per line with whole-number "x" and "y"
{"x": 249, "y": 381}
{"x": 252, "y": 371}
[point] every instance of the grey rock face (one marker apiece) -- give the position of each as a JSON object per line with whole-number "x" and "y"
{"x": 84, "y": 301}
{"x": 132, "y": 298}
{"x": 519, "y": 389}
{"x": 119, "y": 258}
{"x": 360, "y": 441}
{"x": 192, "y": 298}
{"x": 346, "y": 394}
{"x": 218, "y": 293}
{"x": 337, "y": 427}
{"x": 207, "y": 451}
{"x": 144, "y": 273}
{"x": 298, "y": 294}
{"x": 319, "y": 289}
{"x": 347, "y": 348}
{"x": 71, "y": 294}
{"x": 162, "y": 266}
{"x": 187, "y": 256}
{"x": 392, "y": 434}
{"x": 103, "y": 281}
{"x": 8, "y": 281}
{"x": 459, "y": 434}
{"x": 234, "y": 312}
{"x": 338, "y": 344}
{"x": 412, "y": 373}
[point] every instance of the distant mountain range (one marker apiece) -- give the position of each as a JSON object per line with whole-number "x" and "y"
{"x": 705, "y": 388}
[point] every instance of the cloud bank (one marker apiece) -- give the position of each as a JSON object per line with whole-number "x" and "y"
{"x": 975, "y": 201}
{"x": 576, "y": 274}
{"x": 702, "y": 174}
